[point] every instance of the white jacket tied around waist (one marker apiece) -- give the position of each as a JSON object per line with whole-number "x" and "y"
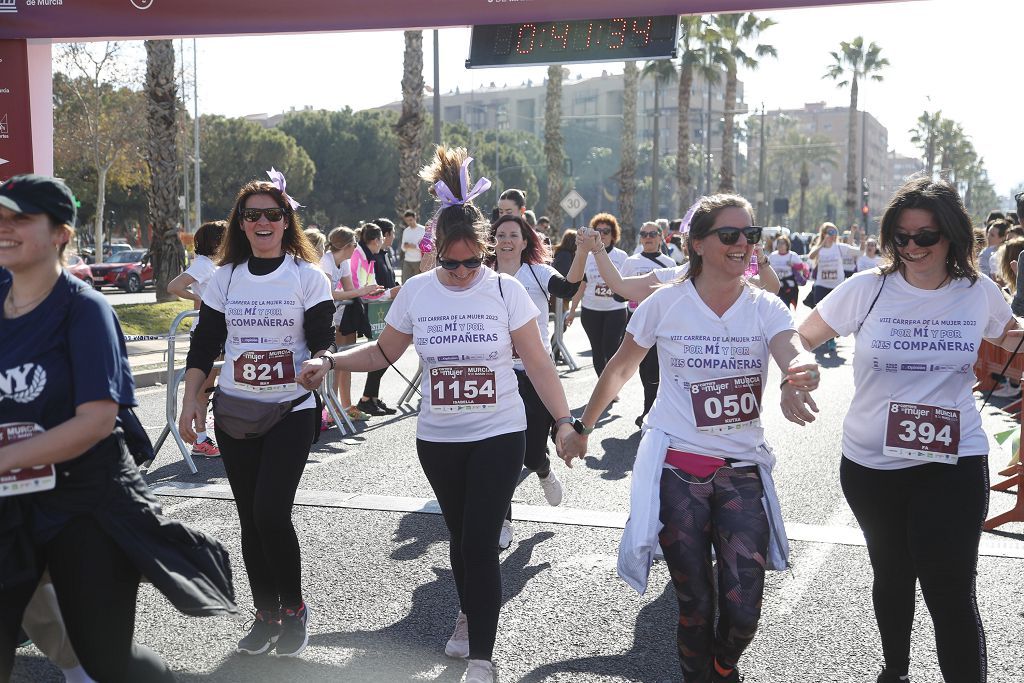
{"x": 640, "y": 537}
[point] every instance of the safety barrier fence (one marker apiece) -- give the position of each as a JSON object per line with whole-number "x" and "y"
{"x": 991, "y": 360}
{"x": 377, "y": 311}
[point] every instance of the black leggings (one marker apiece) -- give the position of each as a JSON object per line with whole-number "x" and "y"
{"x": 538, "y": 430}
{"x": 789, "y": 291}
{"x": 264, "y": 474}
{"x": 650, "y": 377}
{"x": 96, "y": 586}
{"x": 923, "y": 523}
{"x": 604, "y": 330}
{"x": 372, "y": 387}
{"x": 474, "y": 482}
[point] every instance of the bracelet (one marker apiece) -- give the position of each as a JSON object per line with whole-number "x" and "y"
{"x": 784, "y": 383}
{"x": 329, "y": 358}
{"x": 562, "y": 421}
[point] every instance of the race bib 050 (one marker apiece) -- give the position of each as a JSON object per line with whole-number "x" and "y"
{"x": 727, "y": 404}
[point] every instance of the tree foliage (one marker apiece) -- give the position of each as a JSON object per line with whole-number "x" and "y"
{"x": 236, "y": 151}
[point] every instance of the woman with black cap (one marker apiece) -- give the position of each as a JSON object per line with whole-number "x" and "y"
{"x": 71, "y": 498}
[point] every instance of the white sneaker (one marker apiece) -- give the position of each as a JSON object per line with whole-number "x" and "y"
{"x": 505, "y": 537}
{"x": 1006, "y": 390}
{"x": 481, "y": 671}
{"x": 552, "y": 488}
{"x": 458, "y": 644}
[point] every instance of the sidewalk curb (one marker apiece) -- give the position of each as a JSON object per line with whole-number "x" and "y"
{"x": 149, "y": 378}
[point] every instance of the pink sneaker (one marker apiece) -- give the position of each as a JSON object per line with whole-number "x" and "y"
{"x": 206, "y": 448}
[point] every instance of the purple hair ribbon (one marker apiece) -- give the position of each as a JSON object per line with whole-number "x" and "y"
{"x": 685, "y": 227}
{"x": 277, "y": 178}
{"x": 448, "y": 198}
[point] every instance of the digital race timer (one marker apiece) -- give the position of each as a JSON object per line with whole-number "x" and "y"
{"x": 587, "y": 40}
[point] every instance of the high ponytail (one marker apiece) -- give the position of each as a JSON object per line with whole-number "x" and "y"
{"x": 462, "y": 221}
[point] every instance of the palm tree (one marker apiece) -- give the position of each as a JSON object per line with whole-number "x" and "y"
{"x": 736, "y": 30}
{"x": 952, "y": 146}
{"x": 663, "y": 71}
{"x": 690, "y": 55}
{"x": 804, "y": 151}
{"x": 924, "y": 136}
{"x": 627, "y": 164}
{"x": 554, "y": 145}
{"x": 851, "y": 64}
{"x": 168, "y": 255}
{"x": 409, "y": 128}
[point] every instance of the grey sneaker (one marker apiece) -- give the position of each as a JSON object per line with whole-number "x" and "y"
{"x": 505, "y": 537}
{"x": 294, "y": 634}
{"x": 481, "y": 671}
{"x": 552, "y": 488}
{"x": 458, "y": 644}
{"x": 264, "y": 632}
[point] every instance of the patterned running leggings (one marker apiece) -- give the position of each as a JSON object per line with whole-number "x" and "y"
{"x": 723, "y": 510}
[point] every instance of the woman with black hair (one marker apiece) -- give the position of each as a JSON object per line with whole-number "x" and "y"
{"x": 465, "y": 319}
{"x": 511, "y": 203}
{"x": 914, "y": 465}
{"x": 73, "y": 501}
{"x": 520, "y": 253}
{"x": 269, "y": 306}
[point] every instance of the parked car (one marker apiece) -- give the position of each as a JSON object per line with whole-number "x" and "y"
{"x": 129, "y": 270}
{"x": 89, "y": 254}
{"x": 80, "y": 269}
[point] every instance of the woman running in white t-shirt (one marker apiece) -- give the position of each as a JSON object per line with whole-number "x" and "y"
{"x": 520, "y": 253}
{"x": 603, "y": 318}
{"x": 784, "y": 262}
{"x": 871, "y": 256}
{"x": 827, "y": 254}
{"x": 464, "y": 320}
{"x": 914, "y": 468}
{"x": 703, "y": 470}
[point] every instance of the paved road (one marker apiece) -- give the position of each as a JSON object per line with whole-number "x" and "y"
{"x": 382, "y": 599}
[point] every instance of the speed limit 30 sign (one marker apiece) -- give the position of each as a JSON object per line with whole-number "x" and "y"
{"x": 573, "y": 203}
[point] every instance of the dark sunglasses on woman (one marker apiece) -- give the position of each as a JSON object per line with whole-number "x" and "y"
{"x": 452, "y": 264}
{"x": 273, "y": 214}
{"x": 732, "y": 235}
{"x": 925, "y": 238}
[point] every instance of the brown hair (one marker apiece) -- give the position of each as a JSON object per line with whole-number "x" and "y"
{"x": 703, "y": 220}
{"x": 340, "y": 237}
{"x": 1008, "y": 253}
{"x": 461, "y": 222}
{"x": 568, "y": 242}
{"x": 235, "y": 249}
{"x": 55, "y": 224}
{"x": 607, "y": 219}
{"x": 943, "y": 202}
{"x": 535, "y": 251}
{"x": 208, "y": 237}
{"x": 783, "y": 238}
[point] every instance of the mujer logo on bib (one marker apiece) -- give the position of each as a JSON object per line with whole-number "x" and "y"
{"x": 22, "y": 384}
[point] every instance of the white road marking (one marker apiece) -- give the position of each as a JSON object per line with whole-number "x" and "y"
{"x": 808, "y": 563}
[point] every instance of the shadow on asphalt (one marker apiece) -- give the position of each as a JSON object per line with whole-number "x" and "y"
{"x": 617, "y": 457}
{"x": 651, "y": 659}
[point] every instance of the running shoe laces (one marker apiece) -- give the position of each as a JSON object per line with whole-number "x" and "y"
{"x": 207, "y": 448}
{"x": 264, "y": 631}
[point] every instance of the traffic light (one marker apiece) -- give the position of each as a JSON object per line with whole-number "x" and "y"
{"x": 865, "y": 194}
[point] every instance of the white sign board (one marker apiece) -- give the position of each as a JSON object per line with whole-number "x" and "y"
{"x": 573, "y": 203}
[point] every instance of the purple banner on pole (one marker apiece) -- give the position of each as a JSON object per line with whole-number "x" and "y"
{"x": 68, "y": 19}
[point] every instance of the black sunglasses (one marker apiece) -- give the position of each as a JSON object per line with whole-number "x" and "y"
{"x": 649, "y": 234}
{"x": 273, "y": 214}
{"x": 925, "y": 238}
{"x": 452, "y": 264}
{"x": 732, "y": 235}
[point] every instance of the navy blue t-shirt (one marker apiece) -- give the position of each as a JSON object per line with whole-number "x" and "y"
{"x": 67, "y": 351}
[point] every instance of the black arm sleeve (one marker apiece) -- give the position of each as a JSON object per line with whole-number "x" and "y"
{"x": 317, "y": 324}
{"x": 562, "y": 288}
{"x": 618, "y": 298}
{"x": 208, "y": 340}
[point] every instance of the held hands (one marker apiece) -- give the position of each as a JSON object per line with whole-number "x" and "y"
{"x": 312, "y": 373}
{"x": 569, "y": 444}
{"x": 370, "y": 290}
{"x": 802, "y": 377}
{"x": 189, "y": 418}
{"x": 588, "y": 239}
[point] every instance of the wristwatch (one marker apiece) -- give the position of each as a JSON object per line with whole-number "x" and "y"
{"x": 575, "y": 423}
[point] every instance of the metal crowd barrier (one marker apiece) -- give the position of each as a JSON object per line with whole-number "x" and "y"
{"x": 558, "y": 347}
{"x": 176, "y": 375}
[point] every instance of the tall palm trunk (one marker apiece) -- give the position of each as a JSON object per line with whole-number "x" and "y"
{"x": 805, "y": 180}
{"x": 726, "y": 179}
{"x": 851, "y": 157}
{"x": 683, "y": 153}
{"x": 656, "y": 151}
{"x": 627, "y": 164}
{"x": 168, "y": 254}
{"x": 409, "y": 128}
{"x": 553, "y": 145}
